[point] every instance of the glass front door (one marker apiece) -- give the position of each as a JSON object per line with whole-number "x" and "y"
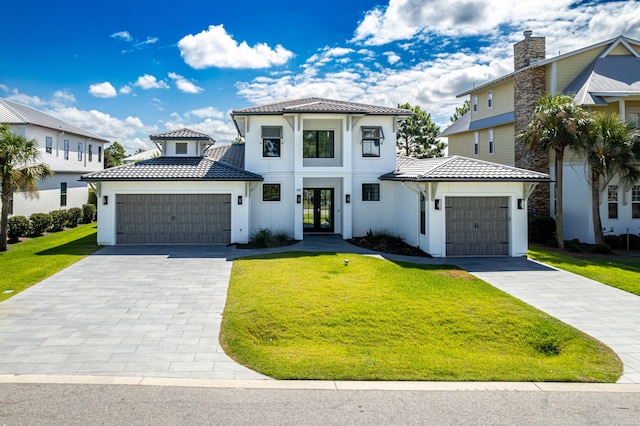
{"x": 317, "y": 210}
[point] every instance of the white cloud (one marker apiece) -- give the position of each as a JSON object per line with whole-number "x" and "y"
{"x": 184, "y": 85}
{"x": 215, "y": 48}
{"x": 149, "y": 40}
{"x": 102, "y": 90}
{"x": 22, "y": 98}
{"x": 125, "y": 90}
{"x": 124, "y": 35}
{"x": 392, "y": 57}
{"x": 208, "y": 112}
{"x": 148, "y": 81}
{"x": 64, "y": 96}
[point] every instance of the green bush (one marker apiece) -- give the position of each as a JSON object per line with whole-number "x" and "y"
{"x": 262, "y": 238}
{"x": 59, "y": 219}
{"x": 573, "y": 246}
{"x": 88, "y": 213}
{"x": 541, "y": 229}
{"x": 614, "y": 242}
{"x": 93, "y": 198}
{"x": 634, "y": 241}
{"x": 75, "y": 214}
{"x": 39, "y": 223}
{"x": 280, "y": 238}
{"x": 17, "y": 226}
{"x": 602, "y": 249}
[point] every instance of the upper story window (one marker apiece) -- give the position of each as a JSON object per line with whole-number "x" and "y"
{"x": 318, "y": 144}
{"x": 370, "y": 192}
{"x": 79, "y": 151}
{"x": 99, "y": 154}
{"x": 271, "y": 192}
{"x": 271, "y": 141}
{"x": 491, "y": 142}
{"x": 475, "y": 103}
{"x": 635, "y": 202}
{"x": 181, "y": 148}
{"x": 66, "y": 149}
{"x": 612, "y": 196}
{"x": 90, "y": 152}
{"x": 476, "y": 143}
{"x": 49, "y": 144}
{"x": 489, "y": 99}
{"x": 372, "y": 138}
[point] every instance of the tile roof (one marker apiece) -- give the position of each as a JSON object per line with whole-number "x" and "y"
{"x": 181, "y": 134}
{"x": 459, "y": 169}
{"x": 174, "y": 168}
{"x": 609, "y": 76}
{"x": 319, "y": 105}
{"x": 232, "y": 154}
{"x": 15, "y": 113}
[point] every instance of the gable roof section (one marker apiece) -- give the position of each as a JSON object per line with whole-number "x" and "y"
{"x": 460, "y": 125}
{"x": 606, "y": 76}
{"x": 181, "y": 134}
{"x": 460, "y": 169}
{"x": 15, "y": 113}
{"x": 232, "y": 154}
{"x": 319, "y": 105}
{"x": 174, "y": 168}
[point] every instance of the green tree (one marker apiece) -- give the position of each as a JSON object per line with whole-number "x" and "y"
{"x": 417, "y": 135}
{"x": 558, "y": 123}
{"x": 18, "y": 172}
{"x": 611, "y": 150}
{"x": 460, "y": 111}
{"x": 113, "y": 155}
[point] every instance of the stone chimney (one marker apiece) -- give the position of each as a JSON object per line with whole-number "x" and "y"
{"x": 529, "y": 85}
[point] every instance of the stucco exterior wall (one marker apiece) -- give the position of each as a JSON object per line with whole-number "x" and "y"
{"x": 49, "y": 196}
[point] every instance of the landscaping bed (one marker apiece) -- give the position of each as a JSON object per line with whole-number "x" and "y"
{"x": 387, "y": 244}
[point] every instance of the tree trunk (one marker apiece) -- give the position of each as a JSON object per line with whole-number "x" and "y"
{"x": 4, "y": 216}
{"x": 595, "y": 208}
{"x": 559, "y": 206}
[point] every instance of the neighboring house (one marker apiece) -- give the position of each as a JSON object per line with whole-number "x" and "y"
{"x": 314, "y": 166}
{"x": 144, "y": 155}
{"x": 601, "y": 77}
{"x": 69, "y": 151}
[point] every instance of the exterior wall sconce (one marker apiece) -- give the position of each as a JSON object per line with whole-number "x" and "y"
{"x": 105, "y": 199}
{"x": 298, "y": 198}
{"x": 437, "y": 203}
{"x": 520, "y": 204}
{"x": 239, "y": 200}
{"x": 347, "y": 198}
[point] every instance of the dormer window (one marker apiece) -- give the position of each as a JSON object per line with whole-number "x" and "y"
{"x": 181, "y": 148}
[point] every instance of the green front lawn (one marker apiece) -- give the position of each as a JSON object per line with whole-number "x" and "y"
{"x": 308, "y": 316}
{"x": 31, "y": 261}
{"x": 623, "y": 273}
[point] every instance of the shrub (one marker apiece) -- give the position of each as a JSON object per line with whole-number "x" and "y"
{"x": 17, "y": 226}
{"x": 541, "y": 229}
{"x": 602, "y": 249}
{"x": 59, "y": 219}
{"x": 88, "y": 213}
{"x": 573, "y": 246}
{"x": 614, "y": 242}
{"x": 262, "y": 238}
{"x": 280, "y": 238}
{"x": 634, "y": 241}
{"x": 38, "y": 223}
{"x": 75, "y": 214}
{"x": 93, "y": 198}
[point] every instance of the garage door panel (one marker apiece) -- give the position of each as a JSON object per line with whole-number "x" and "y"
{"x": 173, "y": 218}
{"x": 477, "y": 226}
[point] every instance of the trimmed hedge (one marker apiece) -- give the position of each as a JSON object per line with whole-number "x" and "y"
{"x": 88, "y": 213}
{"x": 39, "y": 223}
{"x": 17, "y": 226}
{"x": 541, "y": 229}
{"x": 59, "y": 219}
{"x": 75, "y": 214}
{"x": 614, "y": 242}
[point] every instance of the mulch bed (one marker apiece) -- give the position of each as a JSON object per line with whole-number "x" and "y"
{"x": 388, "y": 245}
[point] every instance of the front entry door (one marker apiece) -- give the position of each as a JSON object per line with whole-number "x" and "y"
{"x": 317, "y": 210}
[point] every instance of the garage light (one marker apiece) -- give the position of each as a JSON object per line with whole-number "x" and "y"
{"x": 520, "y": 204}
{"x": 239, "y": 200}
{"x": 105, "y": 200}
{"x": 437, "y": 203}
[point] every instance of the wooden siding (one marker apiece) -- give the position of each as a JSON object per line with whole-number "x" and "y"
{"x": 502, "y": 100}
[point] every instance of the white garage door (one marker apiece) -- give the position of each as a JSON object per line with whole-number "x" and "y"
{"x": 477, "y": 226}
{"x": 173, "y": 218}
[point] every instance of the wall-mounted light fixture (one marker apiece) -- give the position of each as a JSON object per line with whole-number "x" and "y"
{"x": 520, "y": 204}
{"x": 437, "y": 203}
{"x": 239, "y": 200}
{"x": 105, "y": 199}
{"x": 298, "y": 198}
{"x": 347, "y": 198}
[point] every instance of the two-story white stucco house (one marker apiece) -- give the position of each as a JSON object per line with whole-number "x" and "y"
{"x": 70, "y": 152}
{"x": 313, "y": 166}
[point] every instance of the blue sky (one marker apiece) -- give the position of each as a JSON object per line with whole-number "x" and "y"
{"x": 125, "y": 70}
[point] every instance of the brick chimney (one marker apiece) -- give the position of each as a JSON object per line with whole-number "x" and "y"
{"x": 529, "y": 85}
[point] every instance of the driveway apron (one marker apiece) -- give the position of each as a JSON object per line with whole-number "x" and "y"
{"x": 124, "y": 311}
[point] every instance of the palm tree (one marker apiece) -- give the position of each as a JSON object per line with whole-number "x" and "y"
{"x": 18, "y": 172}
{"x": 611, "y": 152}
{"x": 558, "y": 123}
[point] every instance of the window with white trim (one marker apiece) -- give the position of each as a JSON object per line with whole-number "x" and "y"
{"x": 476, "y": 143}
{"x": 317, "y": 144}
{"x": 489, "y": 99}
{"x": 48, "y": 144}
{"x": 90, "y": 152}
{"x": 63, "y": 194}
{"x": 634, "y": 119}
{"x": 66, "y": 149}
{"x": 372, "y": 138}
{"x": 79, "y": 151}
{"x": 370, "y": 192}
{"x": 475, "y": 103}
{"x": 10, "y": 206}
{"x": 423, "y": 214}
{"x": 271, "y": 141}
{"x": 182, "y": 148}
{"x": 635, "y": 202}
{"x": 99, "y": 154}
{"x": 491, "y": 142}
{"x": 612, "y": 197}
{"x": 271, "y": 192}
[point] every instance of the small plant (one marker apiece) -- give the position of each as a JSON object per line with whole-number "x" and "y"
{"x": 88, "y": 213}
{"x": 39, "y": 223}
{"x": 75, "y": 214}
{"x": 59, "y": 219}
{"x": 573, "y": 246}
{"x": 602, "y": 249}
{"x": 280, "y": 238}
{"x": 92, "y": 198}
{"x": 614, "y": 242}
{"x": 541, "y": 228}
{"x": 262, "y": 238}
{"x": 17, "y": 226}
{"x": 634, "y": 241}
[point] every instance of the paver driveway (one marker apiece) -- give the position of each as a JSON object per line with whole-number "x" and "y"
{"x": 125, "y": 311}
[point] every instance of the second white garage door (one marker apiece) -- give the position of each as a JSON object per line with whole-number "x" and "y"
{"x": 173, "y": 218}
